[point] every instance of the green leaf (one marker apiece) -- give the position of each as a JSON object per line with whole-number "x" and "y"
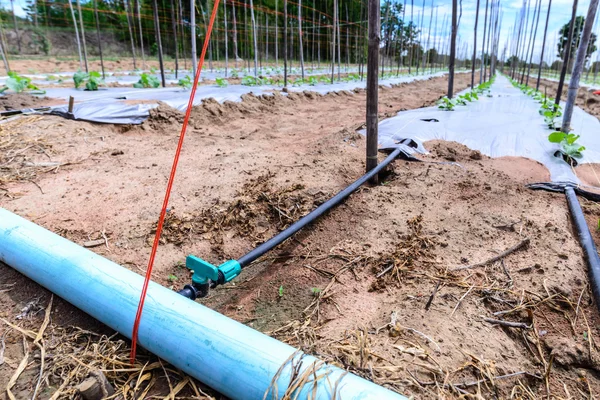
{"x": 79, "y": 77}
{"x": 556, "y": 137}
{"x": 572, "y": 138}
{"x": 138, "y": 85}
{"x": 91, "y": 85}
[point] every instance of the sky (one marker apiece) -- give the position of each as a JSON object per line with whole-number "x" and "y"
{"x": 560, "y": 14}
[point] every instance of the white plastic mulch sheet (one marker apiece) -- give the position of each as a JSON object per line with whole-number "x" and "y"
{"x": 106, "y": 105}
{"x": 506, "y": 124}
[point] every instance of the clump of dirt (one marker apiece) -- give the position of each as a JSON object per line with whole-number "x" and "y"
{"x": 163, "y": 117}
{"x": 19, "y": 101}
{"x": 256, "y": 212}
{"x": 452, "y": 151}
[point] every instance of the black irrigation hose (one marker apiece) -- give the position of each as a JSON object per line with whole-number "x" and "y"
{"x": 317, "y": 212}
{"x": 586, "y": 241}
{"x": 559, "y": 187}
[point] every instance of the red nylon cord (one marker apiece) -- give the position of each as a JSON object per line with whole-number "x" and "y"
{"x": 163, "y": 211}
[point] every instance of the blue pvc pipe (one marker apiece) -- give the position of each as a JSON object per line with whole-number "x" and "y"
{"x": 230, "y": 357}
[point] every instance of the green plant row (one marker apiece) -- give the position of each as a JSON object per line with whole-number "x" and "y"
{"x": 551, "y": 113}
{"x": 462, "y": 100}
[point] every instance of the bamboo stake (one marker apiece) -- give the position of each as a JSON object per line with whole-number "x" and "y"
{"x": 193, "y": 36}
{"x": 539, "y": 11}
{"x": 285, "y": 39}
{"x": 578, "y": 66}
{"x": 175, "y": 44}
{"x": 127, "y": 5}
{"x": 76, "y": 33}
{"x": 452, "y": 50}
{"x": 159, "y": 43}
{"x": 85, "y": 58}
{"x": 410, "y": 37}
{"x": 373, "y": 85}
{"x": 138, "y": 7}
{"x": 99, "y": 39}
{"x": 300, "y": 37}
{"x": 182, "y": 30}
{"x": 235, "y": 40}
{"x": 567, "y": 51}
{"x": 426, "y": 49}
{"x": 337, "y": 14}
{"x": 226, "y": 34}
{"x": 474, "y": 45}
{"x": 4, "y": 59}
{"x": 277, "y": 34}
{"x": 333, "y": 42}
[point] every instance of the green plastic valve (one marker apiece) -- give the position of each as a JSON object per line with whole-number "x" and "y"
{"x": 203, "y": 270}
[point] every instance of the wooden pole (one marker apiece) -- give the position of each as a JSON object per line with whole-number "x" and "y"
{"x": 159, "y": 44}
{"x": 300, "y": 37}
{"x": 426, "y": 49}
{"x": 339, "y": 51}
{"x": 333, "y": 43}
{"x": 175, "y": 41}
{"x": 99, "y": 39}
{"x": 226, "y": 35}
{"x": 193, "y": 34}
{"x": 373, "y": 84}
{"x": 85, "y": 59}
{"x": 539, "y": 11}
{"x": 578, "y": 66}
{"x": 452, "y": 50}
{"x": 253, "y": 21}
{"x": 474, "y": 58}
{"x": 234, "y": 35}
{"x": 285, "y": 42}
{"x": 127, "y": 6}
{"x": 526, "y": 54}
{"x": 138, "y": 7}
{"x": 566, "y": 56}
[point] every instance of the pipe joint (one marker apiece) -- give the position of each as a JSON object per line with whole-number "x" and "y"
{"x": 207, "y": 275}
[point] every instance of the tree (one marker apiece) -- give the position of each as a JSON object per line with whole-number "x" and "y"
{"x": 564, "y": 37}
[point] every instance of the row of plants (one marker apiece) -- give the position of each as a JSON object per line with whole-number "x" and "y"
{"x": 567, "y": 141}
{"x": 20, "y": 84}
{"x": 448, "y": 104}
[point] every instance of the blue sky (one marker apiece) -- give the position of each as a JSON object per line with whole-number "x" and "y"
{"x": 559, "y": 15}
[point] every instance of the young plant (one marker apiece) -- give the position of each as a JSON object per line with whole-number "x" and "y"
{"x": 252, "y": 81}
{"x": 568, "y": 143}
{"x": 20, "y": 84}
{"x": 186, "y": 82}
{"x": 447, "y": 104}
{"x": 147, "y": 81}
{"x": 280, "y": 291}
{"x": 222, "y": 82}
{"x": 92, "y": 80}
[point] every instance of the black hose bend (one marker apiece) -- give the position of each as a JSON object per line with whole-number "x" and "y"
{"x": 587, "y": 242}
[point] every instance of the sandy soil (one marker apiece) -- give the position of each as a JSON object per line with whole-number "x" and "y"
{"x": 353, "y": 288}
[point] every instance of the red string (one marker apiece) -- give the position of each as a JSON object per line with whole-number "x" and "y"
{"x": 163, "y": 211}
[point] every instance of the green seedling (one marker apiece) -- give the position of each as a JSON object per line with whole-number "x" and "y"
{"x": 447, "y": 104}
{"x": 550, "y": 117}
{"x": 20, "y": 84}
{"x": 222, "y": 82}
{"x": 568, "y": 143}
{"x": 147, "y": 81}
{"x": 92, "y": 80}
{"x": 172, "y": 278}
{"x": 280, "y": 291}
{"x": 251, "y": 81}
{"x": 316, "y": 291}
{"x": 186, "y": 82}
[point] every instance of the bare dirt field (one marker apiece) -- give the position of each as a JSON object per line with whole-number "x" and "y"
{"x": 388, "y": 285}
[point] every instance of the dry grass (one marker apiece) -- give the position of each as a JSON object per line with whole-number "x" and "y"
{"x": 65, "y": 357}
{"x": 257, "y": 210}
